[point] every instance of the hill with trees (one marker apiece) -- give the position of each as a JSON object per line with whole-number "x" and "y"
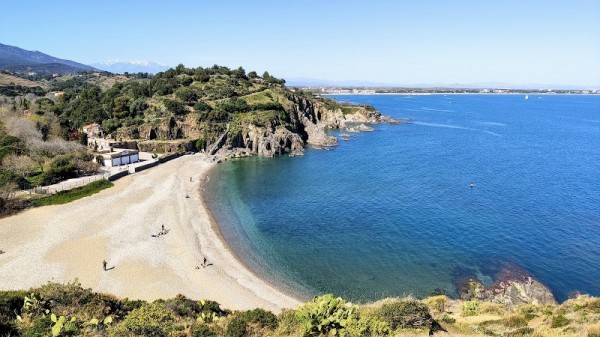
{"x": 216, "y": 109}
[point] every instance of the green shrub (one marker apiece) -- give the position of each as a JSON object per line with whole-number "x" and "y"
{"x": 201, "y": 330}
{"x": 149, "y": 320}
{"x": 367, "y": 326}
{"x": 559, "y": 321}
{"x": 256, "y": 318}
{"x": 40, "y": 327}
{"x": 445, "y": 318}
{"x": 470, "y": 308}
{"x": 183, "y": 306}
{"x": 405, "y": 314}
{"x": 10, "y": 303}
{"x": 325, "y": 314}
{"x": 236, "y": 327}
{"x": 260, "y": 317}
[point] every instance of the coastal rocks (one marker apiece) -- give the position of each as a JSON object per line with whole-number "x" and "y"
{"x": 512, "y": 286}
{"x": 359, "y": 128}
{"x": 267, "y": 142}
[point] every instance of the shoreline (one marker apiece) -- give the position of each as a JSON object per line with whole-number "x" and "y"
{"x": 63, "y": 243}
{"x": 248, "y": 266}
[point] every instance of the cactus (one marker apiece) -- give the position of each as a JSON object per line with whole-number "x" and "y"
{"x": 61, "y": 323}
{"x": 326, "y": 314}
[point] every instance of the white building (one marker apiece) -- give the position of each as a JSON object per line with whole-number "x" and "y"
{"x": 120, "y": 158}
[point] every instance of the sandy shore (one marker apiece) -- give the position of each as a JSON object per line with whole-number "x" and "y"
{"x": 65, "y": 242}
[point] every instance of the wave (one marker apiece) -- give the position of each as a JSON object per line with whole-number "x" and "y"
{"x": 491, "y": 123}
{"x": 441, "y": 110}
{"x": 450, "y": 126}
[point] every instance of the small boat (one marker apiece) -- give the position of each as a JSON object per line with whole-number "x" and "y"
{"x": 526, "y": 96}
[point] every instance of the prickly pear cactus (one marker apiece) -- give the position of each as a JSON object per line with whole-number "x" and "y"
{"x": 326, "y": 315}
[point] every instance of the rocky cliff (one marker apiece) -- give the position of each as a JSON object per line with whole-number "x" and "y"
{"x": 305, "y": 123}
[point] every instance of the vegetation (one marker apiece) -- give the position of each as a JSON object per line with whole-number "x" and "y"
{"x": 70, "y": 310}
{"x": 72, "y": 195}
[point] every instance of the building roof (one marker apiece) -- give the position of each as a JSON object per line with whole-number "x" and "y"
{"x": 120, "y": 154}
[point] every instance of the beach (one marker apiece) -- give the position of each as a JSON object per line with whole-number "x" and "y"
{"x": 119, "y": 225}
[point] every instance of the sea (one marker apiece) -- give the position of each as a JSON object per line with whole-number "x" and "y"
{"x": 392, "y": 212}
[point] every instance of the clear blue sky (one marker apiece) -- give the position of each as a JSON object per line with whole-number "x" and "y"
{"x": 399, "y": 42}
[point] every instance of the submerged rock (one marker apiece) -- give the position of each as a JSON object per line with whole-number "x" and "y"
{"x": 512, "y": 286}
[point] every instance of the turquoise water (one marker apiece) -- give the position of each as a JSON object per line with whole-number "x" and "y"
{"x": 390, "y": 212}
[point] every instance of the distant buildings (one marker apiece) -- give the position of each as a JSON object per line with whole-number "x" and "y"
{"x": 93, "y": 130}
{"x": 119, "y": 158}
{"x": 347, "y": 91}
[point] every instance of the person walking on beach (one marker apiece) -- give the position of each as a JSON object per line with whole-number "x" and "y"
{"x": 104, "y": 265}
{"x": 162, "y": 229}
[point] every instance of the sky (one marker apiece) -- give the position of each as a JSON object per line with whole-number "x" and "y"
{"x": 397, "y": 42}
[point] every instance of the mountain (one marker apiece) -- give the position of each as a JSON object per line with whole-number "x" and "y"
{"x": 23, "y": 61}
{"x": 132, "y": 67}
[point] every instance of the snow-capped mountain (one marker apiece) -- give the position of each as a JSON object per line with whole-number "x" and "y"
{"x": 120, "y": 66}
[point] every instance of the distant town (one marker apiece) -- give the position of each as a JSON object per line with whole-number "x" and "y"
{"x": 392, "y": 90}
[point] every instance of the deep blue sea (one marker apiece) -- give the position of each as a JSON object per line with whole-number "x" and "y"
{"x": 391, "y": 213}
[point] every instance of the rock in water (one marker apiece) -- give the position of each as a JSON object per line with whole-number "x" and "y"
{"x": 512, "y": 286}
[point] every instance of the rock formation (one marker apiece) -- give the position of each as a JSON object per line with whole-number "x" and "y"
{"x": 512, "y": 286}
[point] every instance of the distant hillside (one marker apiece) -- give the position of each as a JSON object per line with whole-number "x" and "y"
{"x": 6, "y": 79}
{"x": 23, "y": 62}
{"x": 132, "y": 67}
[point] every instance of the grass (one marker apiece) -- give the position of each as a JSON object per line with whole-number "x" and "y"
{"x": 593, "y": 330}
{"x": 72, "y": 195}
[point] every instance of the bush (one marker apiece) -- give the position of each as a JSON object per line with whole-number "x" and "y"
{"x": 405, "y": 314}
{"x": 559, "y": 321}
{"x": 325, "y": 314}
{"x": 260, "y": 317}
{"x": 10, "y": 303}
{"x": 39, "y": 327}
{"x": 365, "y": 327}
{"x": 436, "y": 303}
{"x": 174, "y": 106}
{"x": 445, "y": 318}
{"x": 183, "y": 306}
{"x": 470, "y": 308}
{"x": 257, "y": 318}
{"x": 61, "y": 167}
{"x": 149, "y": 320}
{"x": 202, "y": 330}
{"x": 202, "y": 107}
{"x": 236, "y": 328}
{"x": 186, "y": 94}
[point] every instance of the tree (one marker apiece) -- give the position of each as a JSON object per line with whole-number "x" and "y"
{"x": 121, "y": 107}
{"x": 202, "y": 107}
{"x": 174, "y": 106}
{"x": 253, "y": 74}
{"x": 21, "y": 166}
{"x": 186, "y": 94}
{"x": 239, "y": 73}
{"x": 266, "y": 76}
